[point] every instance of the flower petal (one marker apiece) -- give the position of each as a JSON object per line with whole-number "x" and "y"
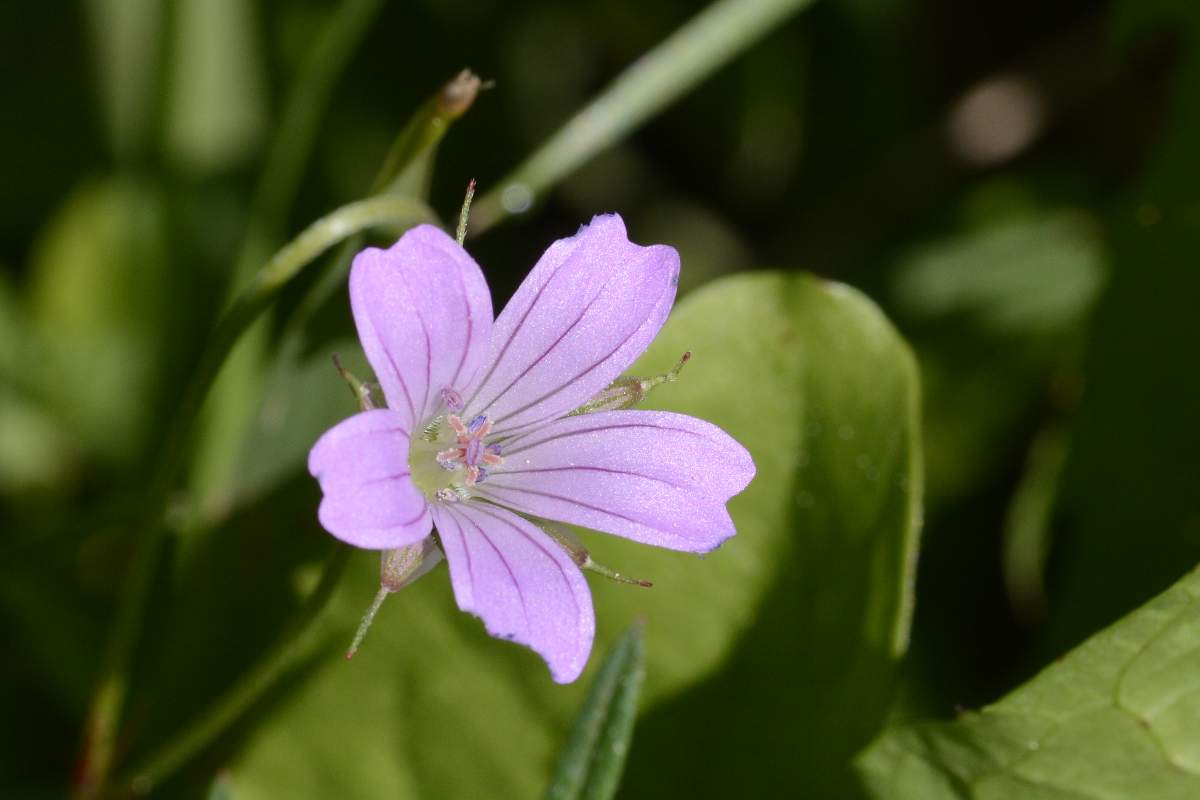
{"x": 424, "y": 316}
{"x": 590, "y": 306}
{"x": 651, "y": 476}
{"x": 523, "y": 586}
{"x": 370, "y": 500}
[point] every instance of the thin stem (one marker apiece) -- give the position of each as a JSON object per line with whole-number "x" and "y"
{"x": 402, "y": 173}
{"x": 365, "y": 624}
{"x": 287, "y": 651}
{"x": 704, "y": 44}
{"x": 109, "y": 696}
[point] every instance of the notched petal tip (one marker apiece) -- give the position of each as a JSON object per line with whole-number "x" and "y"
{"x": 589, "y": 307}
{"x": 369, "y": 499}
{"x": 525, "y": 589}
{"x": 424, "y": 316}
{"x": 652, "y": 476}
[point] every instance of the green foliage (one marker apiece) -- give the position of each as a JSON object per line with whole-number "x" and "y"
{"x": 1115, "y": 718}
{"x": 593, "y": 757}
{"x": 812, "y": 378}
{"x": 97, "y": 303}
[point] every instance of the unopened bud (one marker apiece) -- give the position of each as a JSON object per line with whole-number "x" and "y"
{"x": 363, "y": 391}
{"x": 400, "y": 567}
{"x": 627, "y": 391}
{"x": 397, "y": 569}
{"x": 565, "y": 538}
{"x": 458, "y": 95}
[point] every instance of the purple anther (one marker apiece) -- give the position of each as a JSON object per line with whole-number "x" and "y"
{"x": 476, "y": 423}
{"x": 452, "y": 399}
{"x": 494, "y": 448}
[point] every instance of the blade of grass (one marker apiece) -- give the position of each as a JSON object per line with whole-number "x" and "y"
{"x": 593, "y": 757}
{"x": 702, "y": 46}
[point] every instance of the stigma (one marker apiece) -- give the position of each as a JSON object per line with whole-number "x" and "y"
{"x": 471, "y": 452}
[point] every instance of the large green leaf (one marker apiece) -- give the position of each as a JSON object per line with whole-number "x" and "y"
{"x": 815, "y": 381}
{"x": 795, "y": 624}
{"x": 1114, "y": 719}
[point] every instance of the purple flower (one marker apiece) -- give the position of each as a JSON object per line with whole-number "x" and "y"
{"x": 478, "y": 438}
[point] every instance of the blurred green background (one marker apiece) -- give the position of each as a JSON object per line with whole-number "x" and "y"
{"x": 1015, "y": 184}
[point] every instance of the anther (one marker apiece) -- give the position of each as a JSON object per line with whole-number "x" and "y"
{"x": 452, "y": 400}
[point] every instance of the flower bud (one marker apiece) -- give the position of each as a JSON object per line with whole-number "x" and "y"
{"x": 627, "y": 391}
{"x": 400, "y": 567}
{"x": 397, "y": 569}
{"x": 565, "y": 538}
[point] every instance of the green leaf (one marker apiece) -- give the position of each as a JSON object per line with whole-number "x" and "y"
{"x": 813, "y": 379}
{"x": 100, "y": 305}
{"x": 593, "y": 758}
{"x": 1113, "y": 719}
{"x": 809, "y": 604}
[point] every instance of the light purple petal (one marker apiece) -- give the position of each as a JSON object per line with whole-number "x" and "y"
{"x": 590, "y": 306}
{"x": 523, "y": 586}
{"x": 424, "y": 316}
{"x": 651, "y": 476}
{"x": 369, "y": 498}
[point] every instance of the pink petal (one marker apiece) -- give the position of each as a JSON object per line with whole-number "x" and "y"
{"x": 424, "y": 316}
{"x": 651, "y": 476}
{"x": 523, "y": 586}
{"x": 370, "y": 500}
{"x": 590, "y": 306}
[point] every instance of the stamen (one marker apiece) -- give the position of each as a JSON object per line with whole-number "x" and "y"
{"x": 452, "y": 399}
{"x": 472, "y": 453}
{"x": 430, "y": 432}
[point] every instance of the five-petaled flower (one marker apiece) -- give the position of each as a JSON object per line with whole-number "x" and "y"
{"x": 478, "y": 438}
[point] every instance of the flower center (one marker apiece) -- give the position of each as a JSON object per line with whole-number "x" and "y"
{"x": 450, "y": 456}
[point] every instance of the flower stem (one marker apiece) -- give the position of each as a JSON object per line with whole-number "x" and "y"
{"x": 368, "y": 618}
{"x": 703, "y": 45}
{"x": 111, "y": 688}
{"x": 287, "y": 651}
